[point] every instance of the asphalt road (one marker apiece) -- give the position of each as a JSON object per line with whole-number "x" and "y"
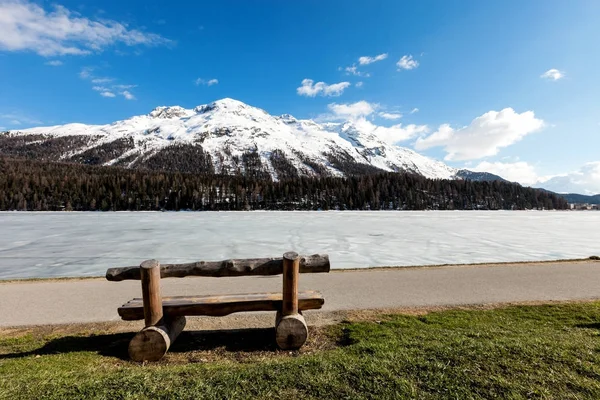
{"x": 96, "y": 300}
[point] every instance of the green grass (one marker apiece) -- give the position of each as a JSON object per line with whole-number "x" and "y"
{"x": 520, "y": 352}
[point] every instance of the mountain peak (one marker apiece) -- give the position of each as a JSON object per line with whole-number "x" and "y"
{"x": 167, "y": 112}
{"x": 225, "y": 104}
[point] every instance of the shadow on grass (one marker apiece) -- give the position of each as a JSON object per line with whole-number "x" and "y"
{"x": 116, "y": 345}
{"x": 592, "y": 325}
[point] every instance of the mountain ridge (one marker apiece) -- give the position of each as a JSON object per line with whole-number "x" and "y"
{"x": 230, "y": 137}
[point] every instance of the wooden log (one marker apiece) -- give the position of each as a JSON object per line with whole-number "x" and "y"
{"x": 240, "y": 267}
{"x": 291, "y": 266}
{"x": 153, "y": 342}
{"x": 150, "y": 277}
{"x": 220, "y": 305}
{"x": 291, "y": 331}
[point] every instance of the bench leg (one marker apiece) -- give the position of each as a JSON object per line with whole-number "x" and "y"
{"x": 291, "y": 331}
{"x": 290, "y": 327}
{"x": 153, "y": 342}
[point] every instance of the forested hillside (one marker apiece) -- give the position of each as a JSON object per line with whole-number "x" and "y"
{"x": 46, "y": 186}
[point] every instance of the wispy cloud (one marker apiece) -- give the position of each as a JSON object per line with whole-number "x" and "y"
{"x": 353, "y": 110}
{"x": 366, "y": 60}
{"x": 127, "y": 95}
{"x": 414, "y": 110}
{"x": 358, "y": 113}
{"x": 26, "y": 26}
{"x": 359, "y": 84}
{"x": 103, "y": 85}
{"x": 407, "y": 62}
{"x": 310, "y": 89}
{"x": 206, "y": 82}
{"x": 353, "y": 70}
{"x": 18, "y": 118}
{"x": 102, "y": 80}
{"x": 484, "y": 137}
{"x": 553, "y": 74}
{"x": 86, "y": 72}
{"x": 390, "y": 116}
{"x": 54, "y": 63}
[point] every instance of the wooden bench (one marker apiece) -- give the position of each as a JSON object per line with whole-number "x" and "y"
{"x": 165, "y": 316}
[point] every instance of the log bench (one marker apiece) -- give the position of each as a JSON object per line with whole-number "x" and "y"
{"x": 165, "y": 316}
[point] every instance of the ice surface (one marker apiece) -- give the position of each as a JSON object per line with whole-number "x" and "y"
{"x": 83, "y": 244}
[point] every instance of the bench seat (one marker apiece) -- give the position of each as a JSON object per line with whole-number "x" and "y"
{"x": 220, "y": 305}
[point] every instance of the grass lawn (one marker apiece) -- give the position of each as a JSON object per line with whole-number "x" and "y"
{"x": 548, "y": 352}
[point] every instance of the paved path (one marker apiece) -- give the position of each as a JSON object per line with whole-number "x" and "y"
{"x": 95, "y": 300}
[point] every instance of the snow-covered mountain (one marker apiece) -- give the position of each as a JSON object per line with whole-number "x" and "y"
{"x": 226, "y": 136}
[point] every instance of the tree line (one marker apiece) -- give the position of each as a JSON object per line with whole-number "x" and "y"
{"x": 51, "y": 186}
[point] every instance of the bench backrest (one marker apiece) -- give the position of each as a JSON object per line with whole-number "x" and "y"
{"x": 315, "y": 263}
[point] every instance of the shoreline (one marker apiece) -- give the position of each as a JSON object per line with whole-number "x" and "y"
{"x": 339, "y": 270}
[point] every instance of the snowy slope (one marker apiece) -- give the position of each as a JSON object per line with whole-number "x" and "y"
{"x": 228, "y": 129}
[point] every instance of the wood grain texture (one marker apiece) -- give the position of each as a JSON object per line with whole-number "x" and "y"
{"x": 239, "y": 267}
{"x": 218, "y": 306}
{"x": 151, "y": 294}
{"x": 291, "y": 265}
{"x": 291, "y": 331}
{"x": 153, "y": 342}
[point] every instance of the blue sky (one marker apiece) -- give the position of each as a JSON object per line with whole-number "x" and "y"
{"x": 464, "y": 62}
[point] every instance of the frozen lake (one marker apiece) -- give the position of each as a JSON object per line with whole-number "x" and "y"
{"x": 86, "y": 244}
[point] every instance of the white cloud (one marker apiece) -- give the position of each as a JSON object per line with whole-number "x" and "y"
{"x": 414, "y": 110}
{"x": 407, "y": 62}
{"x": 311, "y": 89}
{"x": 520, "y": 171}
{"x": 54, "y": 63}
{"x": 107, "y": 94}
{"x": 392, "y": 134}
{"x": 99, "y": 88}
{"x": 26, "y": 26}
{"x": 391, "y": 116}
{"x": 366, "y": 60}
{"x": 358, "y": 84}
{"x": 128, "y": 95}
{"x": 553, "y": 74}
{"x": 355, "y": 110}
{"x": 586, "y": 180}
{"x": 209, "y": 82}
{"x": 485, "y": 136}
{"x": 123, "y": 87}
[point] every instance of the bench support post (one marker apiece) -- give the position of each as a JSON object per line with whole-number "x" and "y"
{"x": 150, "y": 277}
{"x": 291, "y": 331}
{"x": 153, "y": 342}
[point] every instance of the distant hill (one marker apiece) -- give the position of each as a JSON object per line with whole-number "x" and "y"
{"x": 478, "y": 176}
{"x": 580, "y": 198}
